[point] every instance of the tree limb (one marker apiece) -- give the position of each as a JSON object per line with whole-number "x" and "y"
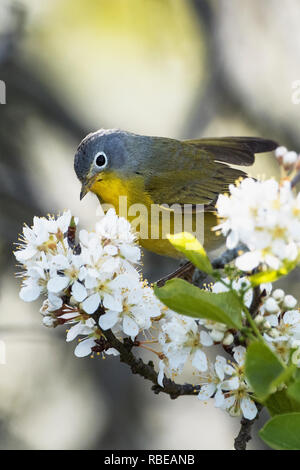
{"x": 200, "y": 276}
{"x": 295, "y": 180}
{"x": 244, "y": 435}
{"x": 147, "y": 371}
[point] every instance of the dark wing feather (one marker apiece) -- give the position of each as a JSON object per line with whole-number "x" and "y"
{"x": 234, "y": 150}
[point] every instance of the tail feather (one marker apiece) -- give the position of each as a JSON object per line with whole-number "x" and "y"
{"x": 234, "y": 150}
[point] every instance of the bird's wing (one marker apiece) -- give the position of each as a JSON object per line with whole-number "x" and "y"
{"x": 235, "y": 150}
{"x": 190, "y": 186}
{"x": 198, "y": 173}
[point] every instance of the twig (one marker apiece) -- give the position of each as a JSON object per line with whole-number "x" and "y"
{"x": 256, "y": 301}
{"x": 200, "y": 276}
{"x": 178, "y": 273}
{"x": 244, "y": 435}
{"x": 147, "y": 371}
{"x": 228, "y": 256}
{"x": 295, "y": 180}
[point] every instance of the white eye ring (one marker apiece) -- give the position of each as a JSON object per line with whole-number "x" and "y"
{"x": 100, "y": 160}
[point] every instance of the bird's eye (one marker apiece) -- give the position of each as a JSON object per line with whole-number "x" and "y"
{"x": 100, "y": 160}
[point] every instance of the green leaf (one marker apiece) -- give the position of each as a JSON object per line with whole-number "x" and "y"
{"x": 192, "y": 249}
{"x": 272, "y": 275}
{"x": 285, "y": 376}
{"x": 280, "y": 403}
{"x": 293, "y": 391}
{"x": 282, "y": 432}
{"x": 184, "y": 298}
{"x": 262, "y": 369}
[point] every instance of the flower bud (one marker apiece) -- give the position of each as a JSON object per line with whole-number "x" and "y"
{"x": 274, "y": 333}
{"x": 289, "y": 302}
{"x": 49, "y": 321}
{"x": 290, "y": 159}
{"x": 216, "y": 336}
{"x": 278, "y": 294}
{"x": 296, "y": 357}
{"x": 228, "y": 340}
{"x": 271, "y": 306}
{"x": 259, "y": 319}
{"x": 295, "y": 344}
{"x": 280, "y": 152}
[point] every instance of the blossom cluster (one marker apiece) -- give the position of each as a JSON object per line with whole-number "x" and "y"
{"x": 98, "y": 275}
{"x": 279, "y": 321}
{"x": 264, "y": 216}
{"x": 181, "y": 339}
{"x": 277, "y": 318}
{"x": 231, "y": 393}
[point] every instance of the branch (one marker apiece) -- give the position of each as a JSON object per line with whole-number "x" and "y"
{"x": 295, "y": 180}
{"x": 147, "y": 371}
{"x": 200, "y": 276}
{"x": 180, "y": 272}
{"x": 256, "y": 301}
{"x": 244, "y": 435}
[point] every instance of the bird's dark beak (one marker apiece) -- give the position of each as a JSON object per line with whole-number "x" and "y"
{"x": 84, "y": 190}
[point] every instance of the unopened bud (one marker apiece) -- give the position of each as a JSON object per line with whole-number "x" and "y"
{"x": 289, "y": 302}
{"x": 216, "y": 336}
{"x": 228, "y": 340}
{"x": 280, "y": 152}
{"x": 259, "y": 319}
{"x": 271, "y": 306}
{"x": 48, "y": 321}
{"x": 274, "y": 333}
{"x": 290, "y": 159}
{"x": 278, "y": 295}
{"x": 296, "y": 357}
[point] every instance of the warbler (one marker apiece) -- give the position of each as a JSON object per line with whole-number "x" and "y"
{"x": 165, "y": 173}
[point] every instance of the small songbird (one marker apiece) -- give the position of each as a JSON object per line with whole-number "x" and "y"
{"x": 162, "y": 171}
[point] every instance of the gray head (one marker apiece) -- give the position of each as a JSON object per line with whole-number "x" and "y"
{"x": 103, "y": 151}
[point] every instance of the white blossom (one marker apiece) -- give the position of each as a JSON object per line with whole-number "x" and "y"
{"x": 265, "y": 216}
{"x": 180, "y": 339}
{"x": 234, "y": 394}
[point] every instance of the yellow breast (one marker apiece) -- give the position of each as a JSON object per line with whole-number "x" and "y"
{"x": 111, "y": 187}
{"x": 124, "y": 194}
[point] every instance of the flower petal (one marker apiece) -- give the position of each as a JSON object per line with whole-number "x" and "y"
{"x": 200, "y": 360}
{"x": 57, "y": 284}
{"x": 130, "y": 327}
{"x": 79, "y": 292}
{"x": 108, "y": 320}
{"x": 84, "y": 348}
{"x": 206, "y": 339}
{"x": 112, "y": 352}
{"x": 206, "y": 391}
{"x": 219, "y": 367}
{"x": 91, "y": 304}
{"x": 30, "y": 293}
{"x": 248, "y": 408}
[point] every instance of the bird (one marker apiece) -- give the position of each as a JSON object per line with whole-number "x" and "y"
{"x": 166, "y": 174}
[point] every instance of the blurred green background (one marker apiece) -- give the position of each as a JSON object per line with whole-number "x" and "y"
{"x": 177, "y": 68}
